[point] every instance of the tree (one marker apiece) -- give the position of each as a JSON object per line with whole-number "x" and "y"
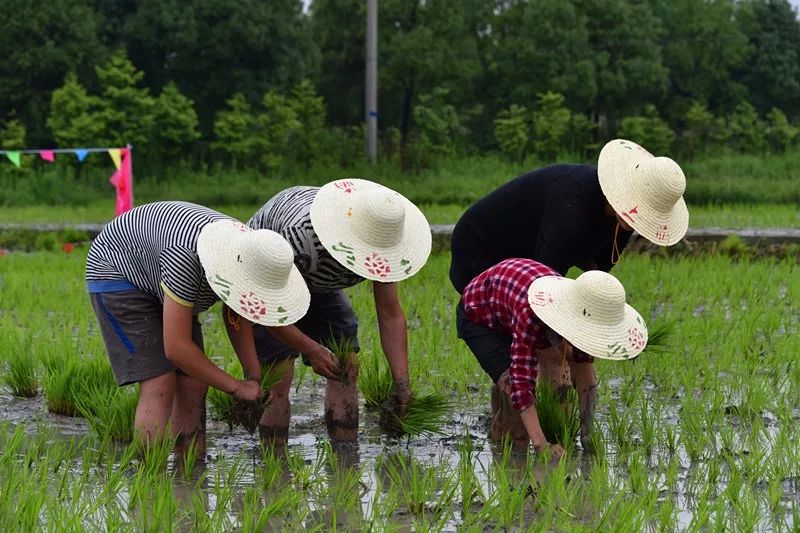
{"x": 540, "y": 46}
{"x": 247, "y": 46}
{"x": 746, "y": 129}
{"x": 511, "y": 131}
{"x": 274, "y": 128}
{"x": 12, "y": 134}
{"x": 75, "y": 119}
{"x": 309, "y": 110}
{"x": 126, "y": 111}
{"x": 781, "y": 135}
{"x": 438, "y": 123}
{"x": 698, "y": 128}
{"x": 624, "y": 36}
{"x": 551, "y": 122}
{"x": 649, "y": 130}
{"x": 702, "y": 46}
{"x": 176, "y": 119}
{"x": 234, "y": 130}
{"x": 772, "y": 71}
{"x": 41, "y": 43}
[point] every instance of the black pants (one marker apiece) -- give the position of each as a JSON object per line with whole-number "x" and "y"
{"x": 492, "y": 348}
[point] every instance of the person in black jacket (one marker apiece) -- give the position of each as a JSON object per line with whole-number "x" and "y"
{"x": 572, "y": 215}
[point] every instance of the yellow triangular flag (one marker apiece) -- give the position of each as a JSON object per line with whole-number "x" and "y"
{"x": 115, "y": 156}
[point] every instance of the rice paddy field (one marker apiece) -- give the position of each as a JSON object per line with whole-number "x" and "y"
{"x": 700, "y": 435}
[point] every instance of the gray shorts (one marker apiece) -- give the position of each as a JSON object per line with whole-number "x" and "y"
{"x": 330, "y": 315}
{"x": 132, "y": 325}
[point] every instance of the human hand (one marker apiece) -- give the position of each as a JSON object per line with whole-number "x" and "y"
{"x": 400, "y": 398}
{"x": 504, "y": 384}
{"x": 247, "y": 390}
{"x": 323, "y": 362}
{"x": 554, "y": 451}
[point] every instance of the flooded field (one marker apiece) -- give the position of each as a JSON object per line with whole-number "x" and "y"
{"x": 703, "y": 436}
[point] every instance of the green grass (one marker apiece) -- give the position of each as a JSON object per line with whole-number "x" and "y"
{"x": 699, "y": 436}
{"x": 21, "y": 375}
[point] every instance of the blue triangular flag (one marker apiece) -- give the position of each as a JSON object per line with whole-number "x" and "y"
{"x": 81, "y": 154}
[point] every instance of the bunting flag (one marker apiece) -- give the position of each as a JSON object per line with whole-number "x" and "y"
{"x": 122, "y": 180}
{"x": 13, "y": 157}
{"x": 115, "y": 154}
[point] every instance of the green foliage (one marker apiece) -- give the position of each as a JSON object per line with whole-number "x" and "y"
{"x": 746, "y": 129}
{"x": 511, "y": 132}
{"x": 781, "y": 134}
{"x": 275, "y": 126}
{"x": 551, "y": 124}
{"x": 233, "y": 129}
{"x": 438, "y": 122}
{"x": 698, "y": 129}
{"x": 74, "y": 115}
{"x": 309, "y": 110}
{"x": 427, "y": 415}
{"x": 12, "y": 134}
{"x": 176, "y": 121}
{"x": 649, "y": 130}
{"x": 110, "y": 412}
{"x": 22, "y": 365}
{"x": 126, "y": 110}
{"x": 375, "y": 380}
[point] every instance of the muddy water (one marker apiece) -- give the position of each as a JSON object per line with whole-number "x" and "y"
{"x": 308, "y": 432}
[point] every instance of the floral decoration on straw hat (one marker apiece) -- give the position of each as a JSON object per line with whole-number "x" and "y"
{"x": 590, "y": 313}
{"x": 253, "y": 272}
{"x": 370, "y": 229}
{"x": 646, "y": 191}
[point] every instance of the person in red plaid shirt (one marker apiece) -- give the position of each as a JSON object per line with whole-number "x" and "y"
{"x": 515, "y": 312}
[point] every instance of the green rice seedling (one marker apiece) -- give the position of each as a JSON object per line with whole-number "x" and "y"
{"x": 375, "y": 380}
{"x": 559, "y": 416}
{"x": 110, "y": 412}
{"x": 470, "y": 487}
{"x": 426, "y": 417}
{"x": 418, "y": 485}
{"x": 247, "y": 414}
{"x": 660, "y": 337}
{"x": 344, "y": 352}
{"x": 21, "y": 375}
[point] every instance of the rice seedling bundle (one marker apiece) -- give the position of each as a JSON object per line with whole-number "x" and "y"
{"x": 375, "y": 380}
{"x": 344, "y": 353}
{"x": 110, "y": 412}
{"x": 426, "y": 417}
{"x": 559, "y": 416}
{"x": 246, "y": 414}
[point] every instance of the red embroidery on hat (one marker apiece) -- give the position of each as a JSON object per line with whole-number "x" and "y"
{"x": 377, "y": 265}
{"x": 663, "y": 234}
{"x": 346, "y": 185}
{"x": 636, "y": 339}
{"x": 541, "y": 298}
{"x": 241, "y": 227}
{"x": 252, "y": 306}
{"x": 628, "y": 215}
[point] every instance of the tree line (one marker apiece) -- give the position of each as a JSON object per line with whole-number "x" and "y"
{"x": 269, "y": 85}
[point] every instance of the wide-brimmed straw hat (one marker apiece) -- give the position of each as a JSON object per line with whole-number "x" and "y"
{"x": 253, "y": 272}
{"x": 590, "y": 313}
{"x": 646, "y": 191}
{"x": 371, "y": 230}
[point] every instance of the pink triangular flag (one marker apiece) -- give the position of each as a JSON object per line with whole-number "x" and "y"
{"x": 47, "y": 155}
{"x": 122, "y": 180}
{"x": 115, "y": 156}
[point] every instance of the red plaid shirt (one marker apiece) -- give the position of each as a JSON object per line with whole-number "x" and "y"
{"x": 498, "y": 299}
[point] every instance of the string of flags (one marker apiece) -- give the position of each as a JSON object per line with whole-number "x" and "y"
{"x": 121, "y": 179}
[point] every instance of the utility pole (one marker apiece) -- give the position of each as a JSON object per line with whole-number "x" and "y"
{"x": 371, "y": 93}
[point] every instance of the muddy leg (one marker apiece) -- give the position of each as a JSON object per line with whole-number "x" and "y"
{"x": 189, "y": 414}
{"x": 154, "y": 407}
{"x": 341, "y": 405}
{"x": 274, "y": 425}
{"x": 506, "y": 420}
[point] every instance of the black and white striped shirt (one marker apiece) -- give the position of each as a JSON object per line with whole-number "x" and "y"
{"x": 154, "y": 247}
{"x": 289, "y": 214}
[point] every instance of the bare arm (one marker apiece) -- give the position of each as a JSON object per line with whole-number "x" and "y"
{"x": 321, "y": 359}
{"x": 181, "y": 350}
{"x": 240, "y": 333}
{"x": 392, "y": 328}
{"x": 586, "y": 381}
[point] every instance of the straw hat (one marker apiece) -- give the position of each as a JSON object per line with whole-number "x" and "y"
{"x": 253, "y": 272}
{"x": 370, "y": 229}
{"x": 590, "y": 313}
{"x": 646, "y": 191}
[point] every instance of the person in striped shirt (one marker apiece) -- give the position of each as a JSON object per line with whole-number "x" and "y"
{"x": 513, "y": 314}
{"x": 342, "y": 234}
{"x": 151, "y": 271}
